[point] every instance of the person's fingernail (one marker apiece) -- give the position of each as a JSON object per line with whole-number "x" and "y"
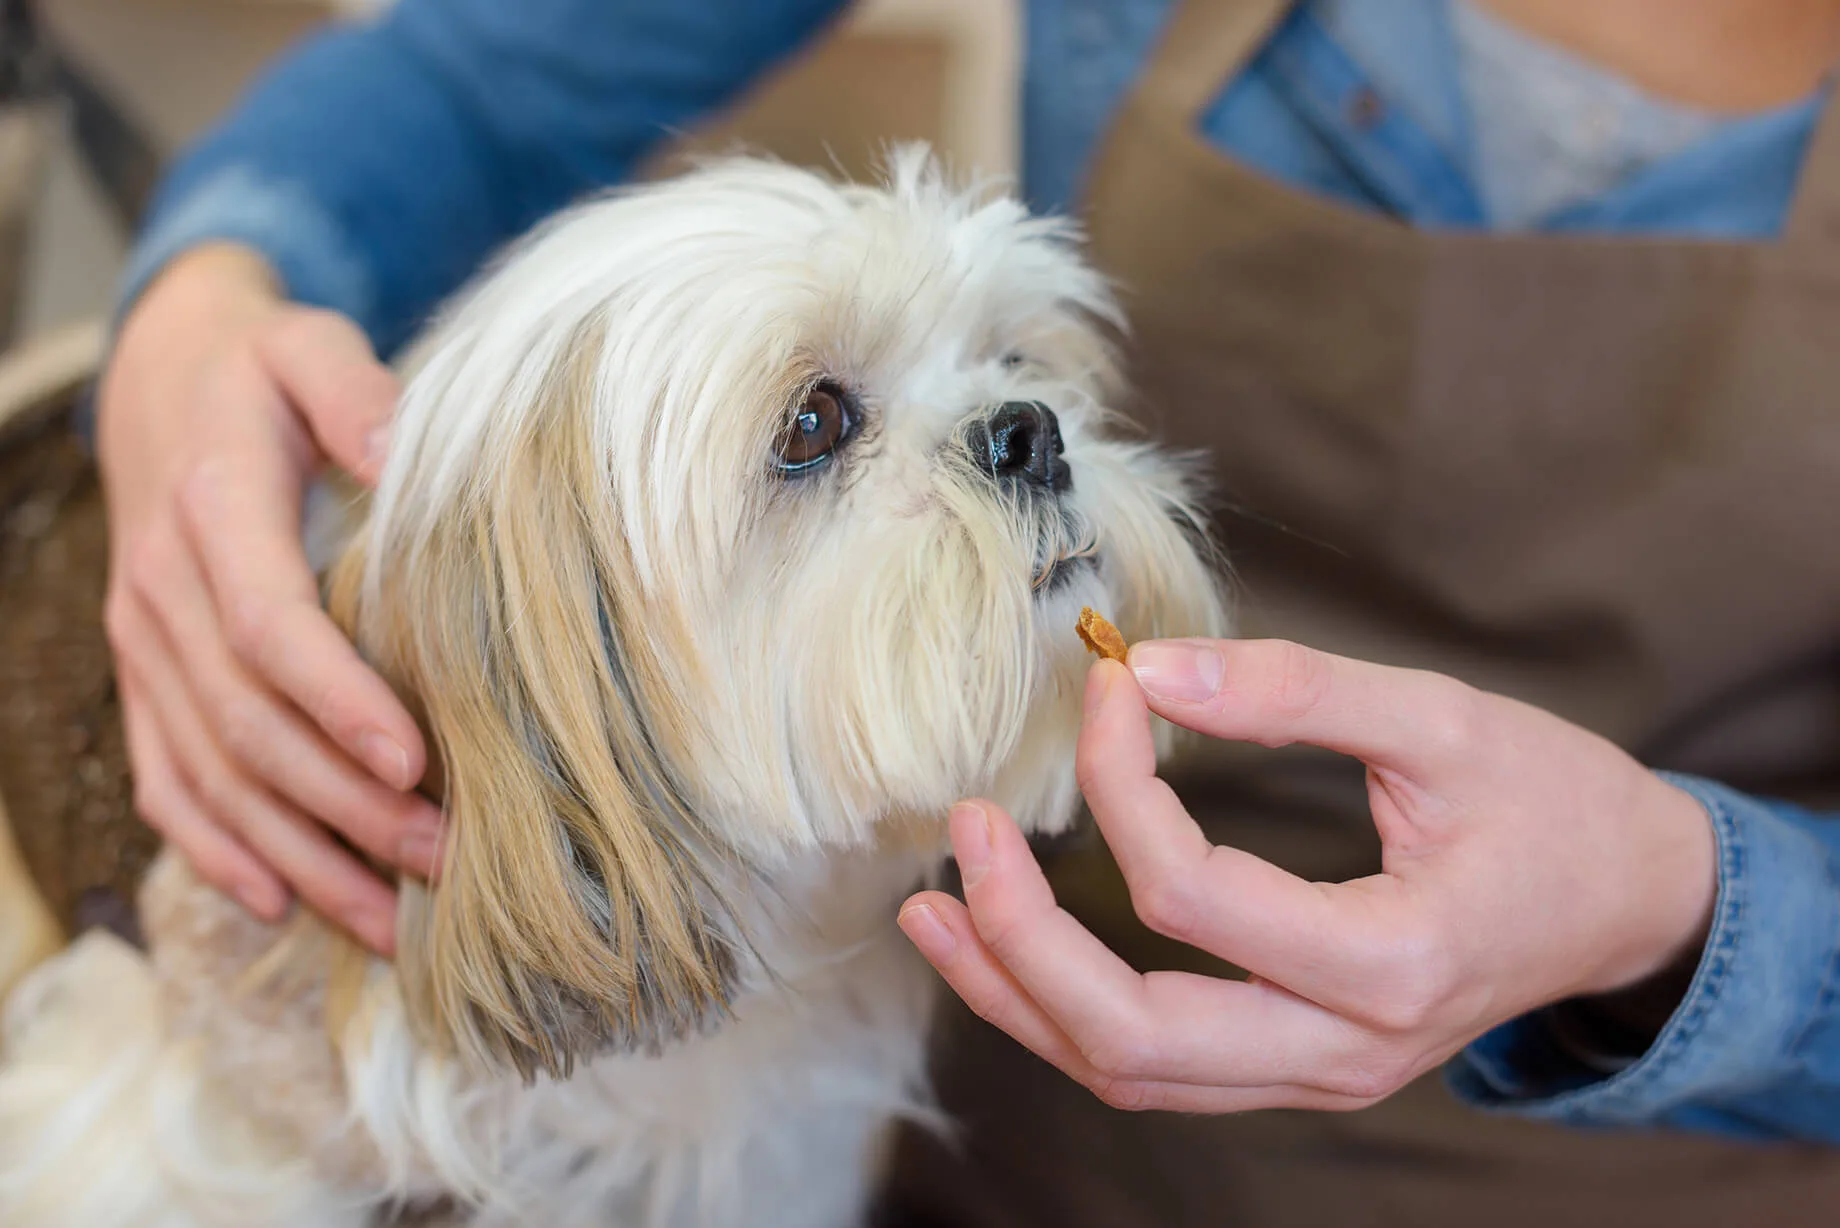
{"x": 970, "y": 841}
{"x": 377, "y": 448}
{"x": 384, "y": 757}
{"x": 1098, "y": 686}
{"x": 1187, "y": 673}
{"x": 926, "y": 931}
{"x": 420, "y": 849}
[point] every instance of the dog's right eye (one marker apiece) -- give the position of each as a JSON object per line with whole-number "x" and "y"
{"x": 822, "y": 422}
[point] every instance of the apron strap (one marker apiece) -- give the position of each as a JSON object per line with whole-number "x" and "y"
{"x": 1204, "y": 46}
{"x": 1814, "y": 216}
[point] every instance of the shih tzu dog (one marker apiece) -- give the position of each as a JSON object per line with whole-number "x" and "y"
{"x": 734, "y": 527}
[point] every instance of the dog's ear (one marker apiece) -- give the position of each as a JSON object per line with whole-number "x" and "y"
{"x": 577, "y": 908}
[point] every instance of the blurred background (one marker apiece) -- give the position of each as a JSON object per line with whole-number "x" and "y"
{"x": 103, "y": 90}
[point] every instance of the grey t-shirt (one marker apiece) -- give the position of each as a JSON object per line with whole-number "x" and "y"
{"x": 1548, "y": 129}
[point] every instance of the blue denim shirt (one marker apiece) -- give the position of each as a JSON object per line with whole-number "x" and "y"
{"x": 377, "y": 165}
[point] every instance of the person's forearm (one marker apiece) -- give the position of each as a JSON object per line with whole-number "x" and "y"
{"x": 1749, "y": 1043}
{"x": 377, "y": 165}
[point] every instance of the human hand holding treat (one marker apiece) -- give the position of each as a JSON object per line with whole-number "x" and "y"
{"x": 1525, "y": 861}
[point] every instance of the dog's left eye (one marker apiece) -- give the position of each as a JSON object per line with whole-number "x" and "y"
{"x": 823, "y": 421}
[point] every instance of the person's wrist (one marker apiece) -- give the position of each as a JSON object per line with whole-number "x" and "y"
{"x": 202, "y": 291}
{"x": 204, "y": 297}
{"x": 1610, "y": 1031}
{"x": 1671, "y": 899}
{"x": 212, "y": 279}
{"x": 1688, "y": 872}
{"x": 1613, "y": 1026}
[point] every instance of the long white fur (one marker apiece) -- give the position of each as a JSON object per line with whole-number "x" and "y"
{"x": 868, "y": 644}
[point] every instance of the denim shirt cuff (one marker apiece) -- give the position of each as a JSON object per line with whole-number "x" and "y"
{"x": 1767, "y": 967}
{"x": 300, "y": 240}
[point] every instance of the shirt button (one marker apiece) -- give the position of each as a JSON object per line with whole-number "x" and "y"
{"x": 1365, "y": 109}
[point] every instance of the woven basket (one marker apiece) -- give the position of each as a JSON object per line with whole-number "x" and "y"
{"x": 63, "y": 768}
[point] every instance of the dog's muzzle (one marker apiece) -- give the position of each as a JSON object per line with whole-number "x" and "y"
{"x": 1020, "y": 442}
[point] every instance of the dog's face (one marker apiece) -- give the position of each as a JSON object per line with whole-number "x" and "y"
{"x": 729, "y": 517}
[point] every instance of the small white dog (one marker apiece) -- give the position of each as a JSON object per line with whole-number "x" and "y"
{"x": 734, "y": 527}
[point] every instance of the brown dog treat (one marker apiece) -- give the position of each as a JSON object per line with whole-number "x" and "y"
{"x": 1100, "y": 636}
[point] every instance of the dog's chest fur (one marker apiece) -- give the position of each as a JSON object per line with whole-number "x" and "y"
{"x": 764, "y": 1121}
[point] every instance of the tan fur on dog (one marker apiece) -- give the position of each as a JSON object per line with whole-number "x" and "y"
{"x": 576, "y": 913}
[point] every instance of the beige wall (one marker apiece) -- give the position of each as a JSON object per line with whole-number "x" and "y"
{"x": 941, "y": 70}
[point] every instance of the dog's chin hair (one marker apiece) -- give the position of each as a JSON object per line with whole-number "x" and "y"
{"x": 935, "y": 667}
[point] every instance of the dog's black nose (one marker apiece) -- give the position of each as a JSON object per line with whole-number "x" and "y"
{"x": 1021, "y": 440}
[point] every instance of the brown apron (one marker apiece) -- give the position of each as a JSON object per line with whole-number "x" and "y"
{"x": 1601, "y": 474}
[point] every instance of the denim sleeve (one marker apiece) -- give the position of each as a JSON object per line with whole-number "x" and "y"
{"x": 1753, "y": 1050}
{"x": 377, "y": 165}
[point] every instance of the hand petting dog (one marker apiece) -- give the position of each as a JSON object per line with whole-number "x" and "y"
{"x": 250, "y": 720}
{"x": 1526, "y": 861}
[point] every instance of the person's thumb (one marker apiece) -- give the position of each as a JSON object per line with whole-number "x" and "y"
{"x": 324, "y": 365}
{"x": 1273, "y": 693}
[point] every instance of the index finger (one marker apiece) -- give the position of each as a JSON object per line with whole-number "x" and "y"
{"x": 1162, "y": 1026}
{"x": 1314, "y": 939}
{"x": 943, "y": 930}
{"x": 248, "y": 536}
